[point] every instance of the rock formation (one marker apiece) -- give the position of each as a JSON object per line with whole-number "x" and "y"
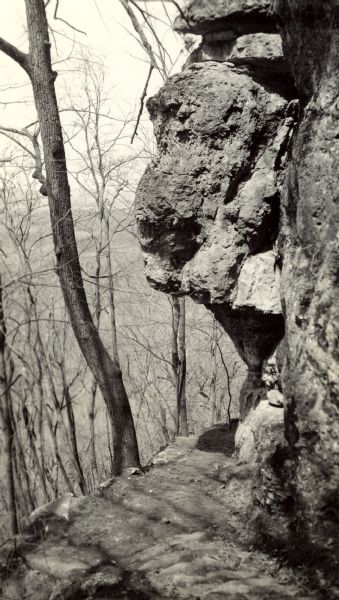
{"x": 308, "y": 241}
{"x": 238, "y": 211}
{"x": 208, "y": 206}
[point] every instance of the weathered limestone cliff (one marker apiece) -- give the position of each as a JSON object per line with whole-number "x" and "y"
{"x": 308, "y": 241}
{"x": 208, "y": 207}
{"x": 238, "y": 211}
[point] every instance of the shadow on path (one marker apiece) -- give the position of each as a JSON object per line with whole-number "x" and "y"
{"x": 219, "y": 438}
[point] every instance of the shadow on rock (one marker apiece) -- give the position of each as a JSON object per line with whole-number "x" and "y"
{"x": 219, "y": 438}
{"x": 131, "y": 586}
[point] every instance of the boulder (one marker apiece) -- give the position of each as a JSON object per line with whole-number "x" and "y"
{"x": 208, "y": 205}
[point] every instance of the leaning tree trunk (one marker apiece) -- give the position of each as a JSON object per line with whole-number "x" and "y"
{"x": 108, "y": 375}
{"x": 7, "y": 424}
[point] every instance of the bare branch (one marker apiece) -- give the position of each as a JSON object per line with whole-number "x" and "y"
{"x": 36, "y": 154}
{"x": 147, "y": 46}
{"x": 13, "y": 52}
{"x": 57, "y": 18}
{"x": 13, "y": 139}
{"x": 142, "y": 102}
{"x": 179, "y": 9}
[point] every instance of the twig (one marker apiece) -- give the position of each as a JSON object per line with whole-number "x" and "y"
{"x": 142, "y": 102}
{"x": 147, "y": 46}
{"x": 55, "y": 16}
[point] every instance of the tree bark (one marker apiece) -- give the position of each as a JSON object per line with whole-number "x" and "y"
{"x": 108, "y": 375}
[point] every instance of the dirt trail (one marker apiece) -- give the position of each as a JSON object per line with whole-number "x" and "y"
{"x": 172, "y": 532}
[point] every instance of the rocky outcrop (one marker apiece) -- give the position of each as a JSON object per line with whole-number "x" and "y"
{"x": 208, "y": 205}
{"x": 259, "y": 55}
{"x": 236, "y": 17}
{"x": 239, "y": 211}
{"x": 308, "y": 241}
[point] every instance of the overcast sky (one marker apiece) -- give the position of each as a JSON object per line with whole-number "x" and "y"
{"x": 105, "y": 24}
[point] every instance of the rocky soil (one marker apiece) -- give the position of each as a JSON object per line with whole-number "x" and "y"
{"x": 177, "y": 531}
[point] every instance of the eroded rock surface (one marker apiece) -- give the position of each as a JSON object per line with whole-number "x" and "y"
{"x": 309, "y": 357}
{"x": 258, "y": 55}
{"x": 210, "y": 198}
{"x": 235, "y": 16}
{"x": 208, "y": 206}
{"x": 221, "y": 219}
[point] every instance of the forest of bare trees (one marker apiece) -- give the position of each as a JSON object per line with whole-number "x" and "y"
{"x": 97, "y": 371}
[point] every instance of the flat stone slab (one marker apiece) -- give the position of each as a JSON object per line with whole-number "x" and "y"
{"x": 238, "y": 16}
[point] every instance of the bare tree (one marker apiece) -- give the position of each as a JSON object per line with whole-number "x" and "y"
{"x": 17, "y": 210}
{"x": 38, "y": 66}
{"x": 57, "y": 358}
{"x": 101, "y": 176}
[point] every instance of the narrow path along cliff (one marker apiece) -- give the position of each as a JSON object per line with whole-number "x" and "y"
{"x": 175, "y": 531}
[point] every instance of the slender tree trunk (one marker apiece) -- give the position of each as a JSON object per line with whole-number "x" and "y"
{"x": 7, "y": 424}
{"x": 21, "y": 500}
{"x": 229, "y": 391}
{"x": 111, "y": 300}
{"x": 181, "y": 391}
{"x": 45, "y": 369}
{"x": 179, "y": 362}
{"x": 35, "y": 458}
{"x": 107, "y": 374}
{"x": 37, "y": 443}
{"x": 58, "y": 458}
{"x": 214, "y": 375}
{"x": 108, "y": 430}
{"x": 73, "y": 436}
{"x": 94, "y": 386}
{"x": 24, "y": 474}
{"x": 163, "y": 421}
{"x": 53, "y": 434}
{"x": 92, "y": 445}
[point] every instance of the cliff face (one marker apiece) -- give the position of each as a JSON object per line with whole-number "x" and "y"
{"x": 308, "y": 240}
{"x": 238, "y": 211}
